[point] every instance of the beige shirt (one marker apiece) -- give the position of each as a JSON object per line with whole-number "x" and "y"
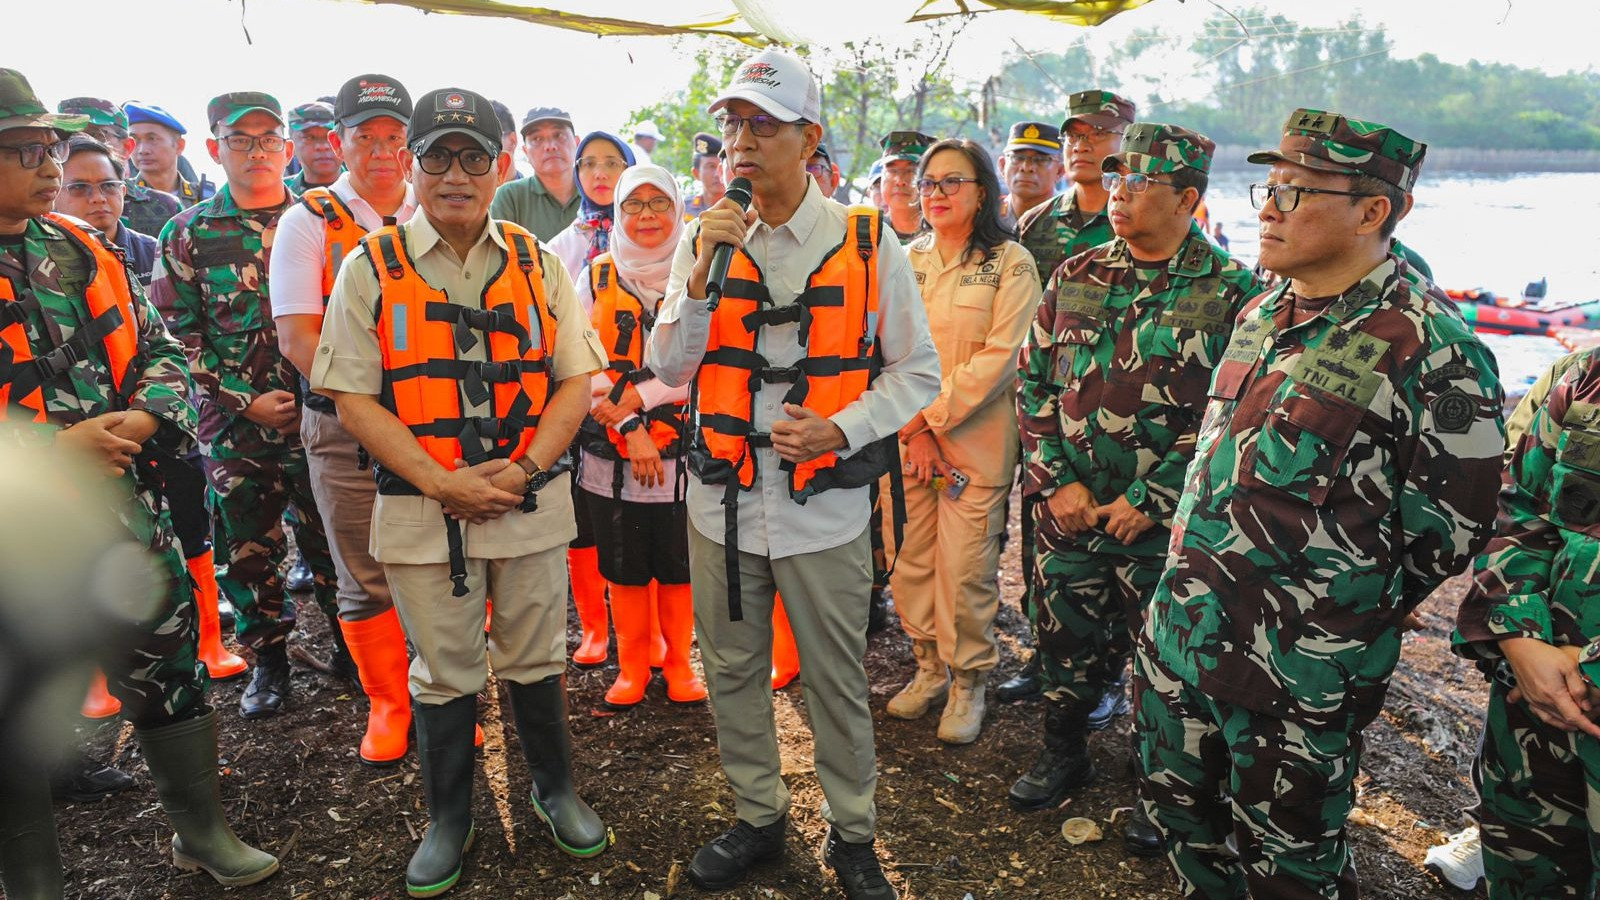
{"x": 411, "y": 529}
{"x": 770, "y": 522}
{"x": 978, "y": 314}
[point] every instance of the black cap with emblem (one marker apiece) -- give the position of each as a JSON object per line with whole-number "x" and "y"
{"x": 369, "y": 96}
{"x": 453, "y": 111}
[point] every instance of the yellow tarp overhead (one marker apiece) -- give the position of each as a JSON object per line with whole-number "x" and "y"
{"x": 755, "y": 22}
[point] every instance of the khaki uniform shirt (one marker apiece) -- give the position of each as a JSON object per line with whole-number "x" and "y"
{"x": 410, "y": 529}
{"x": 978, "y": 314}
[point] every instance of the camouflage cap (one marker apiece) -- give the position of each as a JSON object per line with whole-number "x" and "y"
{"x": 20, "y": 107}
{"x": 1329, "y": 142}
{"x": 1039, "y": 137}
{"x": 1102, "y": 109}
{"x": 1155, "y": 147}
{"x": 227, "y": 109}
{"x": 906, "y": 145}
{"x": 315, "y": 114}
{"x": 100, "y": 112}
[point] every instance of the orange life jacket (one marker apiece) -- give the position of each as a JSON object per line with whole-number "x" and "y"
{"x": 112, "y": 331}
{"x": 837, "y": 313}
{"x": 622, "y": 322}
{"x": 427, "y": 383}
{"x": 340, "y": 235}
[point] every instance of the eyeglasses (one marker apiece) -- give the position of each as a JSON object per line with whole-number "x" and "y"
{"x": 474, "y": 160}
{"x": 603, "y": 163}
{"x": 949, "y": 185}
{"x": 1026, "y": 159}
{"x": 107, "y": 189}
{"x": 819, "y": 169}
{"x": 244, "y": 143}
{"x": 1137, "y": 182}
{"x": 760, "y": 125}
{"x": 633, "y": 205}
{"x": 31, "y": 156}
{"x": 1093, "y": 136}
{"x": 1287, "y": 196}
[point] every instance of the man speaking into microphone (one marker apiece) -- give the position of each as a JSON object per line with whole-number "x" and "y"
{"x": 811, "y": 353}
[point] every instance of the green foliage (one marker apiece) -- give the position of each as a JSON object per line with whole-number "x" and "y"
{"x": 683, "y": 115}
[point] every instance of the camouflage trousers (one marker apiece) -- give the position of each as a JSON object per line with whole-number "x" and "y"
{"x": 1087, "y": 608}
{"x": 1539, "y": 815}
{"x": 159, "y": 679}
{"x": 251, "y": 498}
{"x": 1209, "y": 769}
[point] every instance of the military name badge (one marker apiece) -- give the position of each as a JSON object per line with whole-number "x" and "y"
{"x": 1247, "y": 341}
{"x": 1086, "y": 300}
{"x": 1198, "y": 309}
{"x": 1343, "y": 366}
{"x": 1582, "y": 414}
{"x": 1579, "y": 449}
{"x": 991, "y": 279}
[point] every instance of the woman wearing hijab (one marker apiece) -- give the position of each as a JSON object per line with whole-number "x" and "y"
{"x": 602, "y": 158}
{"x": 981, "y": 292}
{"x": 634, "y": 442}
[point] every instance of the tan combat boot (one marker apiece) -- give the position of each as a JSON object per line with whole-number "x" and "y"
{"x": 963, "y": 712}
{"x": 927, "y": 687}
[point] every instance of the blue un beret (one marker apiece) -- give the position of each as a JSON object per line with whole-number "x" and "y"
{"x": 149, "y": 112}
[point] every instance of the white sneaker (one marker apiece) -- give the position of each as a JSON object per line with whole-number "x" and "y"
{"x": 963, "y": 712}
{"x": 930, "y": 685}
{"x": 1459, "y": 861}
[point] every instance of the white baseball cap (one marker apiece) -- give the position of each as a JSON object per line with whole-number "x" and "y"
{"x": 778, "y": 83}
{"x": 648, "y": 129}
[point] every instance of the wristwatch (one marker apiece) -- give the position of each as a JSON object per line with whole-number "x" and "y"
{"x": 1589, "y": 663}
{"x": 631, "y": 425}
{"x": 537, "y": 479}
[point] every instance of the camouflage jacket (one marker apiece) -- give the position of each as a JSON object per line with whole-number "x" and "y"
{"x": 146, "y": 209}
{"x": 211, "y": 285}
{"x": 1345, "y": 467}
{"x": 1540, "y": 575}
{"x": 188, "y": 192}
{"x": 1055, "y": 231}
{"x": 49, "y": 272}
{"x": 1114, "y": 375}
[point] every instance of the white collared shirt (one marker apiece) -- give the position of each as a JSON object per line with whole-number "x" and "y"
{"x": 294, "y": 276}
{"x": 770, "y": 522}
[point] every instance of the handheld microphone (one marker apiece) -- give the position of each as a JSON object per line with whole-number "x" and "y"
{"x": 722, "y": 256}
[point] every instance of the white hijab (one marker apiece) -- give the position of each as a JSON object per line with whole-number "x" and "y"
{"x": 646, "y": 270}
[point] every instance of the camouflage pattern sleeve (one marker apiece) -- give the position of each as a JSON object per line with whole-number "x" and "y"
{"x": 164, "y": 387}
{"x": 1044, "y": 457}
{"x": 1449, "y": 457}
{"x": 177, "y": 294}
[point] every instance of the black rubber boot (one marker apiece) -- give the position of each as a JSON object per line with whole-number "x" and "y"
{"x": 1139, "y": 834}
{"x": 444, "y": 746}
{"x": 79, "y": 780}
{"x": 268, "y": 691}
{"x": 878, "y": 609}
{"x": 541, "y": 713}
{"x": 1027, "y": 684}
{"x": 1113, "y": 705}
{"x": 1063, "y": 765}
{"x": 183, "y": 764}
{"x": 30, "y": 857}
{"x": 857, "y": 868}
{"x": 723, "y": 863}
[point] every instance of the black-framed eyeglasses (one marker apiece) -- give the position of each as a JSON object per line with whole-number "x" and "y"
{"x": 949, "y": 185}
{"x": 107, "y": 189}
{"x": 31, "y": 156}
{"x": 1137, "y": 182}
{"x": 1287, "y": 196}
{"x": 633, "y": 205}
{"x": 475, "y": 161}
{"x": 244, "y": 143}
{"x": 760, "y": 125}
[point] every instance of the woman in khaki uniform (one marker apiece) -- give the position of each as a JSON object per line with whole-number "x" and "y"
{"x": 981, "y": 293}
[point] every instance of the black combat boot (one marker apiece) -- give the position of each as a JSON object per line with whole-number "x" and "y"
{"x": 268, "y": 691}
{"x": 1027, "y": 684}
{"x": 1063, "y": 765}
{"x": 856, "y": 866}
{"x": 1113, "y": 704}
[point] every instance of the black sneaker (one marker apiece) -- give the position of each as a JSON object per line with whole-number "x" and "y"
{"x": 722, "y": 863}
{"x": 268, "y": 690}
{"x": 1113, "y": 705}
{"x": 856, "y": 867}
{"x": 79, "y": 780}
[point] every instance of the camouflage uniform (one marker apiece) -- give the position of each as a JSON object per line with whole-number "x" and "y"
{"x": 1540, "y": 578}
{"x": 147, "y": 210}
{"x": 159, "y": 681}
{"x": 315, "y": 114}
{"x": 211, "y": 283}
{"x": 1345, "y": 467}
{"x": 1113, "y": 385}
{"x": 144, "y": 209}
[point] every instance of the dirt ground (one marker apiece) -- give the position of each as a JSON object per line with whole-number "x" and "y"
{"x": 293, "y": 786}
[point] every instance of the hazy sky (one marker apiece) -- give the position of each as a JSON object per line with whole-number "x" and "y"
{"x": 182, "y": 52}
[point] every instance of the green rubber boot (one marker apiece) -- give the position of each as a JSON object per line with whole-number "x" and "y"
{"x": 541, "y": 713}
{"x": 183, "y": 762}
{"x": 444, "y": 745}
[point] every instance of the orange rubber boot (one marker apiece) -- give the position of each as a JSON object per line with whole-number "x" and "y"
{"x": 658, "y": 642}
{"x": 477, "y": 736}
{"x": 785, "y": 655}
{"x": 677, "y": 625}
{"x": 100, "y": 704}
{"x": 630, "y": 615}
{"x": 378, "y": 646}
{"x": 219, "y": 661}
{"x": 589, "y": 596}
